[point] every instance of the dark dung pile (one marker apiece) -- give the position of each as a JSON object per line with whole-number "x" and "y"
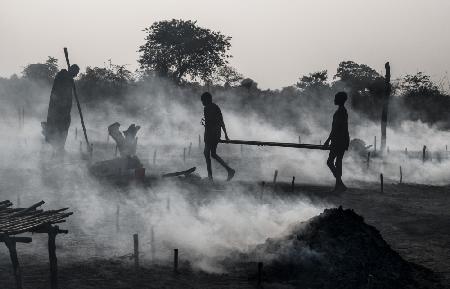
{"x": 337, "y": 249}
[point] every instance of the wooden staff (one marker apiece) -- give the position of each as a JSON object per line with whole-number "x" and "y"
{"x": 66, "y": 53}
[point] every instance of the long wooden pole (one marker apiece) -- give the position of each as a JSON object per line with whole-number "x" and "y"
{"x": 88, "y": 145}
{"x": 276, "y": 144}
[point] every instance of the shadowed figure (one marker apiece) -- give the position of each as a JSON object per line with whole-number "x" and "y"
{"x": 339, "y": 139}
{"x": 58, "y": 117}
{"x": 213, "y": 122}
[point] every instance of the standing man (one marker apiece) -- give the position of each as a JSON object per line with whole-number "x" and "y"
{"x": 58, "y": 117}
{"x": 340, "y": 140}
{"x": 213, "y": 122}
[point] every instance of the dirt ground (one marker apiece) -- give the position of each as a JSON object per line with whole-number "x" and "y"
{"x": 413, "y": 219}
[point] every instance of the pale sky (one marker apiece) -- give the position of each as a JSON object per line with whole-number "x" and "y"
{"x": 274, "y": 41}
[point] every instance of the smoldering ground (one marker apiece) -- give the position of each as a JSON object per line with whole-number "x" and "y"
{"x": 205, "y": 227}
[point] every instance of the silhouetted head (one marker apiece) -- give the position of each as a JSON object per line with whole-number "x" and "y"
{"x": 340, "y": 98}
{"x": 73, "y": 70}
{"x": 206, "y": 98}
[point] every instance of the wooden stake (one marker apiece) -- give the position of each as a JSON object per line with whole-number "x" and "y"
{"x": 401, "y": 175}
{"x": 260, "y": 272}
{"x": 175, "y": 260}
{"x": 262, "y": 190}
{"x": 375, "y": 143}
{"x": 293, "y": 184}
{"x": 152, "y": 243}
{"x": 381, "y": 183}
{"x": 299, "y": 140}
{"x": 424, "y": 152}
{"x": 275, "y": 174}
{"x": 136, "y": 252}
{"x": 368, "y": 160}
{"x": 118, "y": 218}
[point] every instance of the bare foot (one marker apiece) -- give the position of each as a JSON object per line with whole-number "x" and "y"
{"x": 231, "y": 173}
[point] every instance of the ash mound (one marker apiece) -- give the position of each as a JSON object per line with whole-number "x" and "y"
{"x": 337, "y": 249}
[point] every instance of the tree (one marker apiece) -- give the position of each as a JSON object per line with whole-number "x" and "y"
{"x": 42, "y": 71}
{"x": 227, "y": 75}
{"x": 104, "y": 82}
{"x": 315, "y": 80}
{"x": 358, "y": 76}
{"x": 179, "y": 48}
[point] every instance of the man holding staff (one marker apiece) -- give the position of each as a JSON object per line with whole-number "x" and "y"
{"x": 339, "y": 139}
{"x": 213, "y": 122}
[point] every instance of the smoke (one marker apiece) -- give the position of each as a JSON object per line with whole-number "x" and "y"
{"x": 206, "y": 222}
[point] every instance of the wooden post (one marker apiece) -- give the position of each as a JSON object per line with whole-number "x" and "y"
{"x": 118, "y": 218}
{"x": 190, "y": 148}
{"x": 52, "y": 232}
{"x": 184, "y": 155}
{"x": 154, "y": 157}
{"x": 385, "y": 107}
{"x": 375, "y": 143}
{"x": 424, "y": 153}
{"x": 136, "y": 252}
{"x": 262, "y": 190}
{"x": 11, "y": 244}
{"x": 293, "y": 184}
{"x": 275, "y": 174}
{"x": 368, "y": 160}
{"x": 175, "y": 260}
{"x": 91, "y": 151}
{"x": 260, "y": 272}
{"x": 152, "y": 243}
{"x": 401, "y": 175}
{"x": 299, "y": 140}
{"x": 381, "y": 183}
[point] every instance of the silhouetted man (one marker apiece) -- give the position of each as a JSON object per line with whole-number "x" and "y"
{"x": 340, "y": 140}
{"x": 58, "y": 117}
{"x": 213, "y": 122}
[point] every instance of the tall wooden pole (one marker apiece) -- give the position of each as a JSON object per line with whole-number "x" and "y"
{"x": 88, "y": 145}
{"x": 384, "y": 112}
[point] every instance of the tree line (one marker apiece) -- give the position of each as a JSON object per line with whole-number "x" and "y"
{"x": 191, "y": 58}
